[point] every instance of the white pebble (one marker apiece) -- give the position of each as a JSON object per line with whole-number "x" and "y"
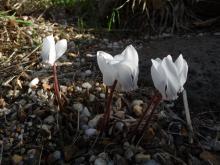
{"x": 100, "y": 161}
{"x": 33, "y": 83}
{"x": 86, "y": 85}
{"x": 78, "y": 107}
{"x": 78, "y": 89}
{"x": 119, "y": 126}
{"x": 91, "y": 97}
{"x": 102, "y": 95}
{"x": 90, "y": 132}
{"x": 85, "y": 112}
{"x": 88, "y": 72}
{"x": 93, "y": 123}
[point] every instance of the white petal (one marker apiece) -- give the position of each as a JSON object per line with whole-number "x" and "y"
{"x": 158, "y": 77}
{"x": 48, "y": 50}
{"x": 104, "y": 63}
{"x": 182, "y": 68}
{"x": 131, "y": 55}
{"x": 125, "y": 76}
{"x": 61, "y": 47}
{"x": 173, "y": 83}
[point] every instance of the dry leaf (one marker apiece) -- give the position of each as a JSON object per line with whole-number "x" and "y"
{"x": 208, "y": 156}
{"x": 46, "y": 86}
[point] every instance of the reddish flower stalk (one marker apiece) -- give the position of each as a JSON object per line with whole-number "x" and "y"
{"x": 149, "y": 111}
{"x": 56, "y": 87}
{"x": 108, "y": 106}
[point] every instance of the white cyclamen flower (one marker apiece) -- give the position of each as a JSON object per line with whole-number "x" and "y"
{"x": 122, "y": 67}
{"x": 51, "y": 51}
{"x": 169, "y": 77}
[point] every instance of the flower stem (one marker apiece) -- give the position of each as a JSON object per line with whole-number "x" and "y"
{"x": 56, "y": 86}
{"x": 188, "y": 118}
{"x": 108, "y": 107}
{"x": 148, "y": 112}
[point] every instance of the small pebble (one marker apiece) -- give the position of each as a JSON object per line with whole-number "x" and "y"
{"x": 78, "y": 107}
{"x": 100, "y": 161}
{"x": 142, "y": 157}
{"x": 50, "y": 119}
{"x": 86, "y": 85}
{"x": 57, "y": 155}
{"x": 137, "y": 110}
{"x": 90, "y": 132}
{"x": 34, "y": 83}
{"x": 91, "y": 97}
{"x": 16, "y": 159}
{"x": 119, "y": 126}
{"x": 137, "y": 102}
{"x": 78, "y": 89}
{"x": 88, "y": 72}
{"x": 102, "y": 95}
{"x": 85, "y": 112}
{"x": 93, "y": 123}
{"x": 92, "y": 158}
{"x": 98, "y": 89}
{"x": 128, "y": 153}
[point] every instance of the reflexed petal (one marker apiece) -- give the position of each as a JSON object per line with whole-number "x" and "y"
{"x": 158, "y": 77}
{"x": 106, "y": 68}
{"x": 182, "y": 68}
{"x": 173, "y": 83}
{"x": 61, "y": 47}
{"x": 131, "y": 55}
{"x": 125, "y": 77}
{"x": 48, "y": 50}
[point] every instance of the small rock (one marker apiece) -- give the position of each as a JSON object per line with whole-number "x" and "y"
{"x": 120, "y": 114}
{"x": 33, "y": 83}
{"x": 90, "y": 132}
{"x": 100, "y": 161}
{"x": 88, "y": 72}
{"x": 102, "y": 95}
{"x": 141, "y": 157}
{"x": 16, "y": 159}
{"x": 86, "y": 85}
{"x": 78, "y": 107}
{"x": 85, "y": 112}
{"x": 91, "y": 97}
{"x": 92, "y": 158}
{"x": 63, "y": 88}
{"x": 50, "y": 119}
{"x": 80, "y": 160}
{"x": 93, "y": 123}
{"x": 98, "y": 89}
{"x": 137, "y": 102}
{"x": 78, "y": 89}
{"x": 128, "y": 153}
{"x": 119, "y": 126}
{"x": 137, "y": 110}
{"x": 57, "y": 155}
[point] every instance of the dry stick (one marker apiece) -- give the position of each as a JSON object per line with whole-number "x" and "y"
{"x": 41, "y": 151}
{"x": 108, "y": 110}
{"x": 151, "y": 108}
{"x": 1, "y": 152}
{"x": 188, "y": 119}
